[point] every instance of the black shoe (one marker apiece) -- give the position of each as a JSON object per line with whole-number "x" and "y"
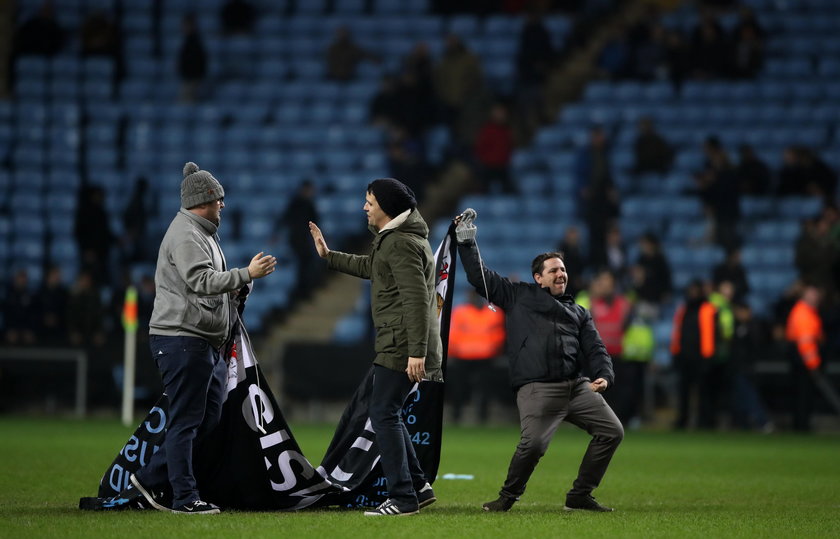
{"x": 585, "y": 503}
{"x": 197, "y": 507}
{"x": 155, "y": 498}
{"x": 426, "y": 496}
{"x": 503, "y": 503}
{"x": 389, "y": 508}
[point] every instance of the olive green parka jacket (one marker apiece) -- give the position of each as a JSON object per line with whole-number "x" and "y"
{"x": 401, "y": 269}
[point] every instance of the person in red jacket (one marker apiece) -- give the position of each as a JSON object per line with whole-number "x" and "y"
{"x": 804, "y": 332}
{"x": 610, "y": 313}
{"x": 476, "y": 338}
{"x": 493, "y": 150}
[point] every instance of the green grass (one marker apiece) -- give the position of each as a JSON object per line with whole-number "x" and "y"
{"x": 662, "y": 485}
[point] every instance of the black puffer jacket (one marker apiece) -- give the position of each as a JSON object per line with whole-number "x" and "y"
{"x": 549, "y": 339}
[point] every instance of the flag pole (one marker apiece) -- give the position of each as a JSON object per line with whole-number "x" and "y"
{"x": 129, "y": 320}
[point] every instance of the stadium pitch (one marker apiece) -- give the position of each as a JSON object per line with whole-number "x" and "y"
{"x": 662, "y": 484}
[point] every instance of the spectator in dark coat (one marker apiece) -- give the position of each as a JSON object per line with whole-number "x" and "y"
{"x": 597, "y": 194}
{"x": 40, "y": 34}
{"x": 92, "y": 231}
{"x": 754, "y": 176}
{"x": 344, "y": 56}
{"x": 710, "y": 50}
{"x": 652, "y": 273}
{"x": 20, "y": 315}
{"x": 192, "y": 60}
{"x": 732, "y": 270}
{"x": 52, "y": 308}
{"x": 299, "y": 213}
{"x": 651, "y": 151}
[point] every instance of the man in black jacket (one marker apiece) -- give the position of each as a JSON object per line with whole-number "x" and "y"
{"x": 549, "y": 339}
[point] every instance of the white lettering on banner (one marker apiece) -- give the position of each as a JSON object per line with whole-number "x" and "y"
{"x": 257, "y": 403}
{"x": 129, "y": 450}
{"x": 274, "y": 438}
{"x": 118, "y": 479}
{"x": 161, "y": 425}
{"x": 289, "y": 476}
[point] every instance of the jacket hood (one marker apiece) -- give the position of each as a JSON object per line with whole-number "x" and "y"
{"x": 414, "y": 224}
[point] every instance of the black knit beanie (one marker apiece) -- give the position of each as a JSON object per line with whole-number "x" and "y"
{"x": 393, "y": 196}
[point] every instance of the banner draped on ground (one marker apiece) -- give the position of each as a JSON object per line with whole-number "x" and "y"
{"x": 252, "y": 461}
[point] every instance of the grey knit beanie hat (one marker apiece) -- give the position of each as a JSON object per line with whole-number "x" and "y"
{"x": 199, "y": 187}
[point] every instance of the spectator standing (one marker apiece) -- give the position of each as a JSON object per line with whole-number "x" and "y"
{"x": 804, "y": 334}
{"x": 534, "y": 61}
{"x": 52, "y": 308}
{"x": 753, "y": 174}
{"x": 135, "y": 219}
{"x": 817, "y": 256}
{"x": 457, "y": 79}
{"x": 651, "y": 152}
{"x": 344, "y": 56}
{"x": 693, "y": 339}
{"x": 718, "y": 189}
{"x": 92, "y": 231}
{"x": 611, "y": 315}
{"x": 299, "y": 212}
{"x": 192, "y": 60}
{"x": 748, "y": 410}
{"x": 597, "y": 194}
{"x": 20, "y": 315}
{"x": 493, "y": 151}
{"x": 476, "y": 340}
{"x": 651, "y": 273}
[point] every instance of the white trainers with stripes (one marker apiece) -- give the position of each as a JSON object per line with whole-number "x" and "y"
{"x": 389, "y": 508}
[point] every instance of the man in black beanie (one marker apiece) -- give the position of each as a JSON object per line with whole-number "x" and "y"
{"x": 401, "y": 269}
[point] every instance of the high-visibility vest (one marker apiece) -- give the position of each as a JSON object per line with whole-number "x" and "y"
{"x": 476, "y": 333}
{"x": 706, "y": 321}
{"x": 804, "y": 328}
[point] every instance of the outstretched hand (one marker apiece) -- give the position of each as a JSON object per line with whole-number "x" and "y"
{"x": 318, "y": 238}
{"x": 465, "y": 230}
{"x": 261, "y": 265}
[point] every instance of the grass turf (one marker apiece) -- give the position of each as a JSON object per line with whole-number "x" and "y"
{"x": 662, "y": 484}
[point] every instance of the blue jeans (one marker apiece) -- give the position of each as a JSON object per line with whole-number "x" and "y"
{"x": 194, "y": 377}
{"x": 399, "y": 462}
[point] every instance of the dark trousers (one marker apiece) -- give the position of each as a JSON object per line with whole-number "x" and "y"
{"x": 802, "y": 391}
{"x": 194, "y": 377}
{"x": 399, "y": 462}
{"x": 542, "y": 406}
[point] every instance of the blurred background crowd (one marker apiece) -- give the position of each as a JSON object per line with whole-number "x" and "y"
{"x": 680, "y": 154}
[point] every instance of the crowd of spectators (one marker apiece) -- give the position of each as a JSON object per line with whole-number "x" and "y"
{"x": 649, "y": 50}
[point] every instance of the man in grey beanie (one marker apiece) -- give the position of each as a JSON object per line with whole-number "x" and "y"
{"x": 401, "y": 268}
{"x": 192, "y": 318}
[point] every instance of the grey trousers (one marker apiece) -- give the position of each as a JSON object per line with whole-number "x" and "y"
{"x": 542, "y": 406}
